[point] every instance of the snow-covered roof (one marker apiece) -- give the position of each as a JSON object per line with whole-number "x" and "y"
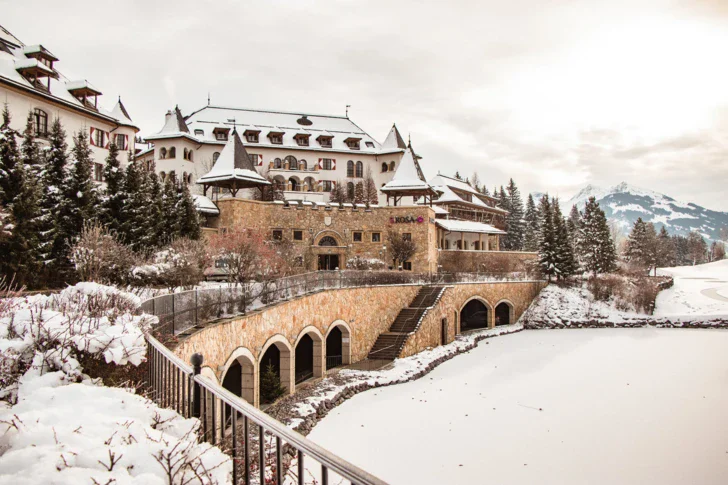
{"x": 408, "y": 176}
{"x": 233, "y": 166}
{"x": 202, "y": 122}
{"x": 205, "y": 205}
{"x": 444, "y": 186}
{"x": 120, "y": 112}
{"x": 394, "y": 140}
{"x": 81, "y": 84}
{"x": 454, "y": 225}
{"x": 12, "y": 57}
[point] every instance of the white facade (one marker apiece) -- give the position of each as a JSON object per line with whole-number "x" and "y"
{"x": 307, "y": 154}
{"x": 42, "y": 90}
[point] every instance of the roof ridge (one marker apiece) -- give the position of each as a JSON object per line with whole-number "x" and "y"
{"x": 280, "y": 112}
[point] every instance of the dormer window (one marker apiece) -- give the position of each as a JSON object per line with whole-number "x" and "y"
{"x": 221, "y": 134}
{"x": 199, "y": 132}
{"x": 40, "y": 53}
{"x": 301, "y": 139}
{"x": 84, "y": 92}
{"x": 35, "y": 71}
{"x": 370, "y": 144}
{"x": 252, "y": 136}
{"x": 353, "y": 143}
{"x": 325, "y": 141}
{"x": 276, "y": 137}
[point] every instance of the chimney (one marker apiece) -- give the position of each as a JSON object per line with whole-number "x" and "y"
{"x": 167, "y": 116}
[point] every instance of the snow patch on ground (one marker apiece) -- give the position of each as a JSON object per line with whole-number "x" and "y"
{"x": 687, "y": 296}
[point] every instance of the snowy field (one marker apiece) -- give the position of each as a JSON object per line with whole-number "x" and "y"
{"x": 698, "y": 290}
{"x": 609, "y": 406}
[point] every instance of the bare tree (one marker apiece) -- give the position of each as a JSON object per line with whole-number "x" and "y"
{"x": 400, "y": 248}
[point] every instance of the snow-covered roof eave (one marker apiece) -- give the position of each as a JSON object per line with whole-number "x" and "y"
{"x": 454, "y": 225}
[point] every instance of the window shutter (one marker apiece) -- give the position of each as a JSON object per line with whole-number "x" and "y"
{"x": 91, "y": 137}
{"x": 333, "y": 164}
{"x": 126, "y": 142}
{"x": 333, "y": 184}
{"x": 260, "y": 160}
{"x": 107, "y": 139}
{"x": 321, "y": 164}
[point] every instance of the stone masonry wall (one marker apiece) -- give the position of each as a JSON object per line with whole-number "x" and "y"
{"x": 486, "y": 261}
{"x": 339, "y": 223}
{"x": 519, "y": 293}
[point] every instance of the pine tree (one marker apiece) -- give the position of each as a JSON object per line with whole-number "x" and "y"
{"x": 359, "y": 193}
{"x": 565, "y": 261}
{"x": 574, "y": 222}
{"x": 54, "y": 241}
{"x": 665, "y": 256}
{"x": 169, "y": 211}
{"x": 502, "y": 199}
{"x": 515, "y": 225}
{"x": 30, "y": 150}
{"x": 112, "y": 204}
{"x": 154, "y": 219}
{"x": 642, "y": 244}
{"x": 371, "y": 193}
{"x": 458, "y": 176}
{"x": 531, "y": 228}
{"x": 134, "y": 226}
{"x": 9, "y": 156}
{"x": 596, "y": 247}
{"x": 475, "y": 181}
{"x": 485, "y": 191}
{"x": 270, "y": 385}
{"x": 189, "y": 220}
{"x": 338, "y": 193}
{"x": 80, "y": 193}
{"x": 547, "y": 240}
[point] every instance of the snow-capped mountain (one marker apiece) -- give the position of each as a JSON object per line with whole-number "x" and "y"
{"x": 624, "y": 203}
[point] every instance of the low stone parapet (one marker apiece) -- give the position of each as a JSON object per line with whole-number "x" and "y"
{"x": 451, "y": 261}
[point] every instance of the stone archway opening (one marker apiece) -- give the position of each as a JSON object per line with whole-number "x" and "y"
{"x": 275, "y": 368}
{"x": 503, "y": 314}
{"x": 474, "y": 315}
{"x": 240, "y": 380}
{"x": 308, "y": 352}
{"x": 338, "y": 347}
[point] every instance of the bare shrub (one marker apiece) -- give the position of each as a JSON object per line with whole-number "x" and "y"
{"x": 99, "y": 257}
{"x": 365, "y": 264}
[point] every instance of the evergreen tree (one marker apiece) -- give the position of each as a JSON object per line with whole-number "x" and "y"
{"x": 680, "y": 245}
{"x": 112, "y": 205}
{"x": 458, "y": 176}
{"x": 531, "y": 226}
{"x": 54, "y": 246}
{"x": 135, "y": 224}
{"x": 371, "y": 193}
{"x": 169, "y": 211}
{"x": 189, "y": 220}
{"x": 484, "y": 190}
{"x": 697, "y": 248}
{"x": 270, "y": 385}
{"x": 502, "y": 200}
{"x": 30, "y": 150}
{"x": 475, "y": 181}
{"x": 20, "y": 252}
{"x": 565, "y": 261}
{"x": 9, "y": 156}
{"x": 547, "y": 258}
{"x": 338, "y": 193}
{"x": 642, "y": 244}
{"x": 359, "y": 193}
{"x": 574, "y": 222}
{"x": 80, "y": 193}
{"x": 665, "y": 256}
{"x": 515, "y": 225}
{"x": 154, "y": 219}
{"x": 596, "y": 247}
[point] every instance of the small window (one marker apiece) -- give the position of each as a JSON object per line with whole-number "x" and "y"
{"x": 199, "y": 132}
{"x": 359, "y": 170}
{"x": 353, "y": 144}
{"x": 406, "y": 236}
{"x": 291, "y": 163}
{"x": 215, "y": 156}
{"x": 40, "y": 123}
{"x": 120, "y": 141}
{"x": 376, "y": 237}
{"x": 350, "y": 168}
{"x": 276, "y": 138}
{"x": 173, "y": 152}
{"x": 370, "y": 144}
{"x": 328, "y": 164}
{"x": 326, "y": 185}
{"x": 385, "y": 167}
{"x": 407, "y": 266}
{"x": 99, "y": 138}
{"x": 251, "y": 137}
{"x": 189, "y": 155}
{"x": 357, "y": 236}
{"x": 221, "y": 135}
{"x": 298, "y": 235}
{"x": 391, "y": 166}
{"x": 98, "y": 172}
{"x": 277, "y": 235}
{"x": 325, "y": 141}
{"x": 302, "y": 140}
{"x": 255, "y": 158}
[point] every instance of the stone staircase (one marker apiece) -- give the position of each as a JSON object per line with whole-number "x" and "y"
{"x": 389, "y": 344}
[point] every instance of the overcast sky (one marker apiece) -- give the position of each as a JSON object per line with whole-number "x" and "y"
{"x": 556, "y": 94}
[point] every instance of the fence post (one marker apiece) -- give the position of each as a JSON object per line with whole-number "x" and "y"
{"x": 197, "y": 320}
{"x": 174, "y": 324}
{"x": 196, "y": 361}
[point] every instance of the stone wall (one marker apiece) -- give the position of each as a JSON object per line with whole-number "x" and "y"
{"x": 339, "y": 223}
{"x": 452, "y": 261}
{"x": 519, "y": 294}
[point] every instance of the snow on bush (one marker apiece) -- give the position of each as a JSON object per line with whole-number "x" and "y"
{"x": 58, "y": 425}
{"x": 361, "y": 263}
{"x": 181, "y": 264}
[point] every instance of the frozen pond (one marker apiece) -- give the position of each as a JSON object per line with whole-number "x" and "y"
{"x": 551, "y": 406}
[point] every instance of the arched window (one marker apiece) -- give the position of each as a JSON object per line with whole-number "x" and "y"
{"x": 184, "y": 154}
{"x": 350, "y": 190}
{"x": 350, "y": 168}
{"x": 328, "y": 241}
{"x": 40, "y": 122}
{"x": 302, "y": 165}
{"x": 294, "y": 184}
{"x": 292, "y": 162}
{"x": 189, "y": 155}
{"x": 173, "y": 152}
{"x": 277, "y": 163}
{"x": 163, "y": 153}
{"x": 359, "y": 169}
{"x": 385, "y": 167}
{"x": 215, "y": 156}
{"x": 391, "y": 166}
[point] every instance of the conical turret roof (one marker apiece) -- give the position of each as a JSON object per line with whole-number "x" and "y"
{"x": 233, "y": 168}
{"x": 394, "y": 139}
{"x": 408, "y": 176}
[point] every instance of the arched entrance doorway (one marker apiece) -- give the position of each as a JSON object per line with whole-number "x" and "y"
{"x": 274, "y": 370}
{"x": 503, "y": 314}
{"x": 473, "y": 315}
{"x": 328, "y": 262}
{"x": 308, "y": 363}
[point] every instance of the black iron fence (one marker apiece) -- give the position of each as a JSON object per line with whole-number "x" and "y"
{"x": 182, "y": 311}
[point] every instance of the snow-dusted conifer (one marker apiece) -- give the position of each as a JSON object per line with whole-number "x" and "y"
{"x": 514, "y": 240}
{"x": 134, "y": 226}
{"x": 154, "y": 217}
{"x": 30, "y": 151}
{"x": 359, "y": 193}
{"x": 338, "y": 193}
{"x": 565, "y": 261}
{"x": 112, "y": 205}
{"x": 596, "y": 247}
{"x": 189, "y": 220}
{"x": 371, "y": 193}
{"x": 169, "y": 211}
{"x": 547, "y": 240}
{"x": 9, "y": 156}
{"x": 531, "y": 226}
{"x": 54, "y": 246}
{"x": 642, "y": 244}
{"x": 665, "y": 247}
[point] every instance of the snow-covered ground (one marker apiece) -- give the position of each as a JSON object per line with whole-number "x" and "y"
{"x": 698, "y": 290}
{"x": 641, "y": 405}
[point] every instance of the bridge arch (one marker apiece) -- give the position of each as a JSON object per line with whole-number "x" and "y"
{"x": 338, "y": 344}
{"x": 475, "y": 313}
{"x": 309, "y": 354}
{"x": 277, "y": 353}
{"x": 239, "y": 374}
{"x": 504, "y": 313}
